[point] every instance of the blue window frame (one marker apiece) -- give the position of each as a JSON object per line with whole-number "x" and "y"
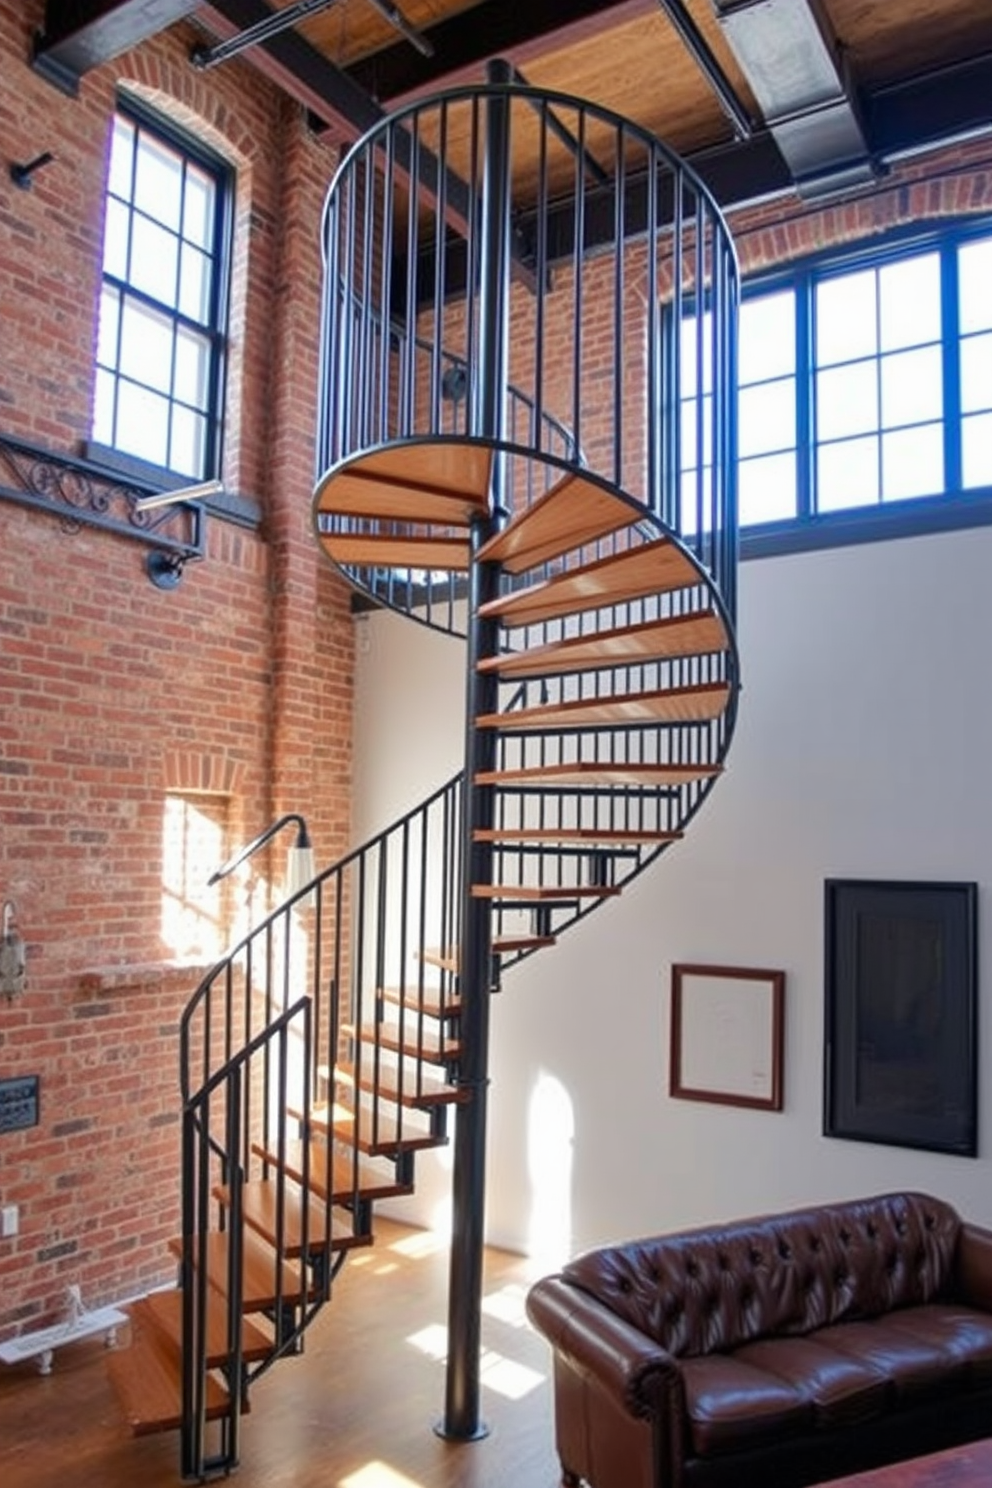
{"x": 865, "y": 394}
{"x": 163, "y": 301}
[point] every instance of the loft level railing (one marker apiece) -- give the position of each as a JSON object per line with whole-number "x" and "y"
{"x": 631, "y": 351}
{"x": 437, "y": 598}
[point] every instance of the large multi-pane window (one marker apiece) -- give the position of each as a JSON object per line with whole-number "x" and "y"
{"x": 863, "y": 383}
{"x": 163, "y": 299}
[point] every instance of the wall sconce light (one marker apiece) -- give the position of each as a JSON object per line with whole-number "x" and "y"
{"x": 12, "y": 956}
{"x": 300, "y": 869}
{"x": 21, "y": 174}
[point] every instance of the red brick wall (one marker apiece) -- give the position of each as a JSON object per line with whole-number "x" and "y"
{"x": 112, "y": 691}
{"x": 241, "y": 680}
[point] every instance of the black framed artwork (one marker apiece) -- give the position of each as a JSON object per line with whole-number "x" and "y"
{"x": 901, "y": 1014}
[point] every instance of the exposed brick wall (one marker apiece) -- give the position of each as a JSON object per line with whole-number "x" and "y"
{"x": 113, "y": 692}
{"x": 240, "y": 681}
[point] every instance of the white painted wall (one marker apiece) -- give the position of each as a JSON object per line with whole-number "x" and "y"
{"x": 864, "y": 749}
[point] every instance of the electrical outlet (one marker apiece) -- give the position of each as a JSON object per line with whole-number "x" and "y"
{"x": 9, "y": 1221}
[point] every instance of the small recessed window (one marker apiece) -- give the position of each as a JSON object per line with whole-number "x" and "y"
{"x": 160, "y": 346}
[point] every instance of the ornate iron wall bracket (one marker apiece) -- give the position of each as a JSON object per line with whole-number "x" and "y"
{"x": 80, "y": 493}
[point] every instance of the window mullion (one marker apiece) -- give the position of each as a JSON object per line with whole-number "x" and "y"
{"x": 950, "y": 325}
{"x": 805, "y": 400}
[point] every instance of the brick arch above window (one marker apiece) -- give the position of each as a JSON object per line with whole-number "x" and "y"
{"x": 189, "y": 773}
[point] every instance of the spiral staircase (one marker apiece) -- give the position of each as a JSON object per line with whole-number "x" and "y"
{"x": 565, "y": 506}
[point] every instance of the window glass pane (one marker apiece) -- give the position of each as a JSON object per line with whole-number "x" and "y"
{"x": 845, "y": 318}
{"x": 188, "y": 441}
{"x": 976, "y": 373}
{"x": 115, "y": 239}
{"x": 192, "y": 369}
{"x": 976, "y": 440}
{"x": 913, "y": 462}
{"x": 142, "y": 423}
{"x": 912, "y": 389}
{"x": 766, "y": 417}
{"x": 975, "y": 285}
{"x": 847, "y": 400}
{"x": 198, "y": 213}
{"x": 847, "y": 474}
{"x": 146, "y": 346}
{"x": 106, "y": 346}
{"x": 103, "y": 408}
{"x": 194, "y": 284}
{"x": 697, "y": 444}
{"x": 767, "y": 336}
{"x": 153, "y": 260}
{"x": 909, "y": 301}
{"x": 694, "y": 490}
{"x": 691, "y": 330}
{"x": 161, "y": 266}
{"x": 121, "y": 157}
{"x": 767, "y": 488}
{"x": 158, "y": 181}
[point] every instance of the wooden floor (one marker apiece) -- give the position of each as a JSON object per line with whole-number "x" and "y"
{"x": 355, "y": 1411}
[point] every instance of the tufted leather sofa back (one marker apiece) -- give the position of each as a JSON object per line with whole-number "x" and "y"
{"x": 712, "y": 1290}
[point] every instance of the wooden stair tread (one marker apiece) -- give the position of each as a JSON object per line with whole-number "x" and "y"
{"x": 428, "y": 1001}
{"x": 445, "y": 960}
{"x": 596, "y": 836}
{"x": 372, "y": 1130}
{"x": 345, "y": 1180}
{"x": 442, "y": 482}
{"x": 544, "y": 893}
{"x": 164, "y": 1310}
{"x": 696, "y": 634}
{"x": 374, "y": 550}
{"x": 590, "y": 772}
{"x": 424, "y": 1044}
{"x": 503, "y": 945}
{"x": 260, "y": 1274}
{"x": 147, "y": 1378}
{"x": 656, "y": 567}
{"x": 575, "y": 511}
{"x": 668, "y": 705}
{"x": 421, "y": 1091}
{"x": 258, "y": 1208}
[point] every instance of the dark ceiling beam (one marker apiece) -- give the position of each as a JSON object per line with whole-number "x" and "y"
{"x": 464, "y": 42}
{"x": 797, "y": 71}
{"x": 82, "y": 34}
{"x": 901, "y": 119}
{"x": 298, "y": 68}
{"x": 338, "y": 102}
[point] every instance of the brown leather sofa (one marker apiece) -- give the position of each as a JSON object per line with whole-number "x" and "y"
{"x": 772, "y": 1352}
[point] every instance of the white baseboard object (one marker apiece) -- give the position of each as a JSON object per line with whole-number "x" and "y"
{"x": 43, "y": 1342}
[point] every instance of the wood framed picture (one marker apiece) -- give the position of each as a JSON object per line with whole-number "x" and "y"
{"x": 900, "y": 1048}
{"x": 727, "y": 1028}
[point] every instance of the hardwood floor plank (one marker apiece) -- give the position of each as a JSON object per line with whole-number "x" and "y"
{"x": 366, "y": 1391}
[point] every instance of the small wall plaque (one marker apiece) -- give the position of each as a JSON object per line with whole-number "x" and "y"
{"x": 19, "y": 1103}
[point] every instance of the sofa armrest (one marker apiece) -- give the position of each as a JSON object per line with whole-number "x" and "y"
{"x": 973, "y": 1266}
{"x": 628, "y": 1364}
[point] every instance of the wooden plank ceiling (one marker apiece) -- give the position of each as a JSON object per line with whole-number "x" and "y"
{"x": 760, "y": 94}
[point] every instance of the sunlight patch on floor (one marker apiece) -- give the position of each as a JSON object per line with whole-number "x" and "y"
{"x": 507, "y": 1305}
{"x": 420, "y": 1243}
{"x": 506, "y": 1376}
{"x": 496, "y": 1371}
{"x": 378, "y": 1475}
{"x": 432, "y": 1341}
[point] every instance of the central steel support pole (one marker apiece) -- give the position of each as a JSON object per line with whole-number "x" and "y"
{"x": 461, "y": 1418}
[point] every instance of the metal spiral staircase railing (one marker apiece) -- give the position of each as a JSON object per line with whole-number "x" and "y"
{"x": 533, "y": 448}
